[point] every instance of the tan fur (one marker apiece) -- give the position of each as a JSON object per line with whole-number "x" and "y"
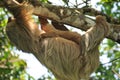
{"x": 66, "y": 59}
{"x": 51, "y": 31}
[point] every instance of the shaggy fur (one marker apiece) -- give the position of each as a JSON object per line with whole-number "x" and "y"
{"x": 67, "y": 59}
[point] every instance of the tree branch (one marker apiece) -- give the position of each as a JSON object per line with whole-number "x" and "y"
{"x": 112, "y": 61}
{"x": 116, "y": 73}
{"x": 72, "y": 16}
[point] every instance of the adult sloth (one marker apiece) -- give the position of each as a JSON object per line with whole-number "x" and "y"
{"x": 68, "y": 55}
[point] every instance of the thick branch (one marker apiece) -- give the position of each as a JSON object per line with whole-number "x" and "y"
{"x": 75, "y": 18}
{"x": 72, "y": 16}
{"x": 93, "y": 12}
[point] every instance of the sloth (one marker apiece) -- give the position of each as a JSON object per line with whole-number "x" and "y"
{"x": 68, "y": 55}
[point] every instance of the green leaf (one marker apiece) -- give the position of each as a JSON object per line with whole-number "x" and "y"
{"x": 66, "y": 2}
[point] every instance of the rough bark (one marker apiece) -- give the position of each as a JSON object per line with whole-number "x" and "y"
{"x": 74, "y": 17}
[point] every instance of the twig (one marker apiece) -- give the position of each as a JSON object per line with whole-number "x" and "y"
{"x": 16, "y": 2}
{"x": 111, "y": 61}
{"x": 116, "y": 73}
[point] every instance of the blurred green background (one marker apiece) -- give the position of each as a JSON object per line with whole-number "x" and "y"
{"x": 14, "y": 68}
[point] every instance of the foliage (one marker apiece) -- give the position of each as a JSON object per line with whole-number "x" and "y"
{"x": 11, "y": 67}
{"x": 111, "y": 8}
{"x": 109, "y": 48}
{"x": 45, "y": 1}
{"x": 48, "y": 77}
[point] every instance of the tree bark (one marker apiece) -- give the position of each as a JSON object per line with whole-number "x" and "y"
{"x": 75, "y": 17}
